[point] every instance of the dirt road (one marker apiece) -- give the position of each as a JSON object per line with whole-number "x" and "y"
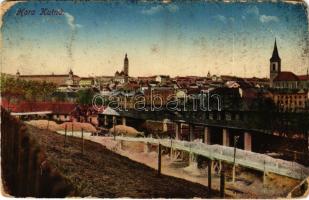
{"x": 103, "y": 173}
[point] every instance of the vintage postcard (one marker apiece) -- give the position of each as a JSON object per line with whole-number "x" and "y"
{"x": 155, "y": 99}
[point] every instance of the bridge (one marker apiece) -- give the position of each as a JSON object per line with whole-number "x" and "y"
{"x": 252, "y": 128}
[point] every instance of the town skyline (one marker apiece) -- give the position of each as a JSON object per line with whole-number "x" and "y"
{"x": 149, "y": 75}
{"x": 223, "y": 41}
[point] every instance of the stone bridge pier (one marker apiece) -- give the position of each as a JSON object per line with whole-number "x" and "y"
{"x": 228, "y": 135}
{"x": 207, "y": 135}
{"x": 228, "y": 139}
{"x": 124, "y": 121}
{"x": 247, "y": 141}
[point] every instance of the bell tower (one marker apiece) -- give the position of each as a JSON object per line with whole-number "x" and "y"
{"x": 126, "y": 66}
{"x": 18, "y": 74}
{"x": 275, "y": 64}
{"x": 71, "y": 74}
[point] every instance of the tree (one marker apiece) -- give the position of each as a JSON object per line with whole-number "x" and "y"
{"x": 59, "y": 96}
{"x": 85, "y": 96}
{"x": 12, "y": 88}
{"x": 47, "y": 89}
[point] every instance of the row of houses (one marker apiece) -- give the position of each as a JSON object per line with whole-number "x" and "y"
{"x": 235, "y": 89}
{"x": 168, "y": 89}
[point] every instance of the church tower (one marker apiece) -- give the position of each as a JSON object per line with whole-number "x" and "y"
{"x": 275, "y": 64}
{"x": 126, "y": 66}
{"x": 18, "y": 74}
{"x": 71, "y": 74}
{"x": 70, "y": 79}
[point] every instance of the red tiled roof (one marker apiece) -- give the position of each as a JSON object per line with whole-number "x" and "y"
{"x": 46, "y": 75}
{"x": 228, "y": 78}
{"x": 303, "y": 77}
{"x": 254, "y": 79}
{"x": 24, "y": 106}
{"x": 131, "y": 86}
{"x": 145, "y": 77}
{"x": 250, "y": 93}
{"x": 286, "y": 76}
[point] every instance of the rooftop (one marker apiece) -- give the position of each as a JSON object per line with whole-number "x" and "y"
{"x": 286, "y": 76}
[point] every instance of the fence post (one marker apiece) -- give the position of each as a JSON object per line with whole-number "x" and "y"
{"x": 264, "y": 173}
{"x": 159, "y": 160}
{"x": 222, "y": 183}
{"x": 114, "y": 126}
{"x": 47, "y": 125}
{"x": 171, "y": 150}
{"x": 65, "y": 135}
{"x": 82, "y": 141}
{"x": 209, "y": 177}
{"x": 233, "y": 173}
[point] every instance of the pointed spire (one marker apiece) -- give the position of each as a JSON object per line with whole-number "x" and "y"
{"x": 275, "y": 57}
{"x": 70, "y": 73}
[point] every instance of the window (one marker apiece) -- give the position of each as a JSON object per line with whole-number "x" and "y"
{"x": 274, "y": 67}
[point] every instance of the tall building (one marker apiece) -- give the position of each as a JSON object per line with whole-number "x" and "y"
{"x": 126, "y": 66}
{"x": 275, "y": 64}
{"x": 123, "y": 76}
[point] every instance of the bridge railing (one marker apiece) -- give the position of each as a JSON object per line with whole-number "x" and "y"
{"x": 257, "y": 161}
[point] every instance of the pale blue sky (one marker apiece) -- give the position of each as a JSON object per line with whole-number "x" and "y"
{"x": 181, "y": 38}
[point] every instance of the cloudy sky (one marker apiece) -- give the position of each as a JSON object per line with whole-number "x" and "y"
{"x": 176, "y": 39}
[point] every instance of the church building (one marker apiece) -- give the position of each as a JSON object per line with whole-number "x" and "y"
{"x": 285, "y": 79}
{"x": 122, "y": 76}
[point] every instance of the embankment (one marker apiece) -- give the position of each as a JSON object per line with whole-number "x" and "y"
{"x": 24, "y": 165}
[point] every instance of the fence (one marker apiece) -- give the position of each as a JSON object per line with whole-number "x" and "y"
{"x": 257, "y": 161}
